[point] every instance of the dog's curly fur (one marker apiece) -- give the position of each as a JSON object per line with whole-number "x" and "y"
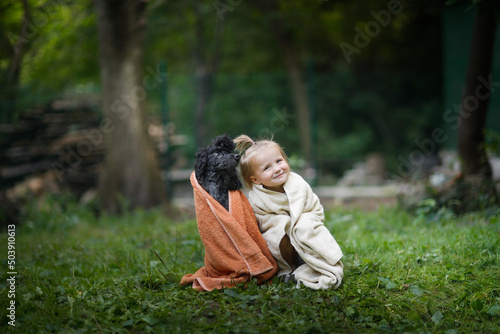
{"x": 215, "y": 169}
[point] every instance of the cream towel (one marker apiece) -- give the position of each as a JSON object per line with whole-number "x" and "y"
{"x": 299, "y": 214}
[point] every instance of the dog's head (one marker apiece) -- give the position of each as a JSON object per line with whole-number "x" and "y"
{"x": 218, "y": 159}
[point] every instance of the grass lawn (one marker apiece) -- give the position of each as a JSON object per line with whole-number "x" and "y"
{"x": 403, "y": 273}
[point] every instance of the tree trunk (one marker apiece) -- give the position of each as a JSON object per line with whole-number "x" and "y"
{"x": 205, "y": 67}
{"x": 131, "y": 170}
{"x": 474, "y": 107}
{"x": 19, "y": 49}
{"x": 300, "y": 99}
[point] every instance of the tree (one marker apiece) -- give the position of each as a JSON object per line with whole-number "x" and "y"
{"x": 298, "y": 91}
{"x": 46, "y": 49}
{"x": 287, "y": 34}
{"x": 16, "y": 47}
{"x": 205, "y": 69}
{"x": 131, "y": 167}
{"x": 475, "y": 101}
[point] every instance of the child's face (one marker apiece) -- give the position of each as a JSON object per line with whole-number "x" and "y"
{"x": 270, "y": 169}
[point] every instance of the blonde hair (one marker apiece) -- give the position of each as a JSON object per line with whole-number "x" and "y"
{"x": 247, "y": 148}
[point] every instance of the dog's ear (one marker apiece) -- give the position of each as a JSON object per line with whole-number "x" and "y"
{"x": 224, "y": 143}
{"x": 200, "y": 165}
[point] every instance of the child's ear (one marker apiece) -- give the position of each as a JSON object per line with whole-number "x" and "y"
{"x": 254, "y": 180}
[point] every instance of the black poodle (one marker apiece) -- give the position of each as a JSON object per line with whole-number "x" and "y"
{"x": 215, "y": 169}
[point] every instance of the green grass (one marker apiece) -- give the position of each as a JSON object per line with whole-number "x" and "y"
{"x": 403, "y": 273}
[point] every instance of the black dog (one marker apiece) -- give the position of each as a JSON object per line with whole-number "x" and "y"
{"x": 215, "y": 169}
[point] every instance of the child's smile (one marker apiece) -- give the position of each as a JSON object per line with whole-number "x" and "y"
{"x": 270, "y": 169}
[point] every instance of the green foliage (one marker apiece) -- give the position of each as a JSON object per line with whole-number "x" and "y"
{"x": 356, "y": 117}
{"x": 492, "y": 142}
{"x": 59, "y": 48}
{"x": 456, "y": 197}
{"x": 65, "y": 49}
{"x": 428, "y": 210}
{"x": 381, "y": 101}
{"x": 79, "y": 273}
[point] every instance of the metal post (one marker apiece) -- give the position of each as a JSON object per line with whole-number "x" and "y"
{"x": 165, "y": 119}
{"x": 311, "y": 92}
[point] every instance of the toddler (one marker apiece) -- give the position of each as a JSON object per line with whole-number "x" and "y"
{"x": 290, "y": 216}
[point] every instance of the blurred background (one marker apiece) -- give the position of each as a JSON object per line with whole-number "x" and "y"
{"x": 358, "y": 93}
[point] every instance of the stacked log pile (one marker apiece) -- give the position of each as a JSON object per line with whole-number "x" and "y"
{"x": 61, "y": 147}
{"x": 49, "y": 143}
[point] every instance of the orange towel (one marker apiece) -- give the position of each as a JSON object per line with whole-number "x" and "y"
{"x": 235, "y": 250}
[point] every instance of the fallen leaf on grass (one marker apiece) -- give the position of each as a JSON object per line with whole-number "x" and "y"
{"x": 494, "y": 311}
{"x": 388, "y": 283}
{"x": 415, "y": 290}
{"x": 437, "y": 317}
